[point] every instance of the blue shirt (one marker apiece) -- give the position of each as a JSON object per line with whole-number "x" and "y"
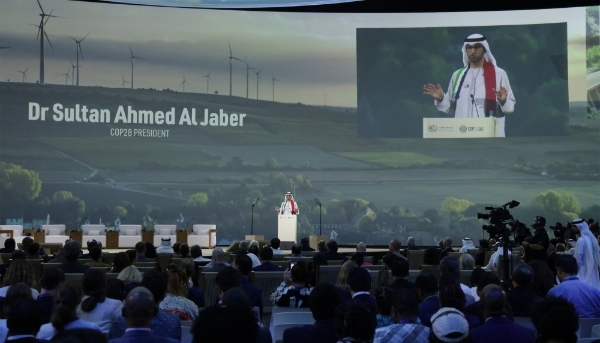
{"x": 162, "y": 325}
{"x": 584, "y": 297}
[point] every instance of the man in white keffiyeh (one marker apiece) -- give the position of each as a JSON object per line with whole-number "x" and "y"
{"x": 587, "y": 254}
{"x": 288, "y": 206}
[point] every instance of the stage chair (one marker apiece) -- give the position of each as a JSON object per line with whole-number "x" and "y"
{"x": 161, "y": 231}
{"x": 472, "y": 252}
{"x": 369, "y": 259}
{"x": 456, "y": 255}
{"x": 94, "y": 231}
{"x": 328, "y": 274}
{"x": 55, "y": 233}
{"x": 129, "y": 235}
{"x": 376, "y": 277}
{"x": 208, "y": 285}
{"x": 309, "y": 253}
{"x": 108, "y": 257}
{"x": 412, "y": 274}
{"x": 111, "y": 275}
{"x": 267, "y": 282}
{"x": 77, "y": 277}
{"x": 335, "y": 262}
{"x": 415, "y": 258}
{"x": 187, "y": 323}
{"x": 145, "y": 264}
{"x": 203, "y": 235}
{"x": 144, "y": 269}
{"x": 377, "y": 267}
{"x": 296, "y": 259}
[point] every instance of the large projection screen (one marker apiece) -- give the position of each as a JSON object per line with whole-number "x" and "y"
{"x": 176, "y": 114}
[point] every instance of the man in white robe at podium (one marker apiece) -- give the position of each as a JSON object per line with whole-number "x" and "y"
{"x": 480, "y": 89}
{"x": 289, "y": 206}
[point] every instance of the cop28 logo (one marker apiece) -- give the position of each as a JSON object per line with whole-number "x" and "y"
{"x": 462, "y": 129}
{"x": 432, "y": 128}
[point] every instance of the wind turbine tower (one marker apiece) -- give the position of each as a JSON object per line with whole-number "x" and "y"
{"x": 79, "y": 52}
{"x": 257, "y": 78}
{"x": 247, "y": 69}
{"x": 231, "y": 58}
{"x": 274, "y": 79}
{"x": 42, "y": 33}
{"x": 184, "y": 83}
{"x": 124, "y": 82}
{"x": 207, "y": 79}
{"x": 133, "y": 57}
{"x": 73, "y": 73}
{"x": 24, "y": 74}
{"x": 66, "y": 77}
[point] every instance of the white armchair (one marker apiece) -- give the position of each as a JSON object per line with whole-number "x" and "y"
{"x": 161, "y": 231}
{"x": 55, "y": 233}
{"x": 203, "y": 235}
{"x": 17, "y": 231}
{"x": 94, "y": 231}
{"x": 129, "y": 235}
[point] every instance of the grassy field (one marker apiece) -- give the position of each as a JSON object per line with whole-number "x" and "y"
{"x": 392, "y": 159}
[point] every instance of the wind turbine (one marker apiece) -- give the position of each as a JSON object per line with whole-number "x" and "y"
{"x": 79, "y": 52}
{"x": 66, "y": 76}
{"x": 73, "y": 73}
{"x": 207, "y": 79}
{"x": 42, "y": 33}
{"x": 133, "y": 57}
{"x": 124, "y": 82}
{"x": 183, "y": 83}
{"x": 231, "y": 58}
{"x": 274, "y": 79}
{"x": 247, "y": 69}
{"x": 257, "y": 78}
{"x": 24, "y": 74}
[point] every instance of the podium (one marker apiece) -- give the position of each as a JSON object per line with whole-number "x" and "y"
{"x": 287, "y": 226}
{"x": 39, "y": 236}
{"x": 112, "y": 239}
{"x": 76, "y": 236}
{"x": 182, "y": 236}
{"x": 148, "y": 237}
{"x": 460, "y": 127}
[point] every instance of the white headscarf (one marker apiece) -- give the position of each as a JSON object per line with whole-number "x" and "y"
{"x": 467, "y": 244}
{"x": 587, "y": 254}
{"x": 165, "y": 246}
{"x": 477, "y": 38}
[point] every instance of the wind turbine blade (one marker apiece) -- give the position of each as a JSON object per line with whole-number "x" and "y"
{"x": 141, "y": 58}
{"x": 230, "y": 53}
{"x": 72, "y": 65}
{"x": 48, "y": 17}
{"x": 45, "y": 34}
{"x": 261, "y": 68}
{"x": 38, "y": 1}
{"x": 235, "y": 58}
{"x": 26, "y": 70}
{"x": 131, "y": 50}
{"x": 245, "y": 60}
{"x": 72, "y": 38}
{"x": 84, "y": 37}
{"x": 81, "y": 51}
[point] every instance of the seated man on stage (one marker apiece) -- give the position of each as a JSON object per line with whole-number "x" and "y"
{"x": 289, "y": 206}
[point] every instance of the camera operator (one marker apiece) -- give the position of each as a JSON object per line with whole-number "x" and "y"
{"x": 536, "y": 246}
{"x": 559, "y": 230}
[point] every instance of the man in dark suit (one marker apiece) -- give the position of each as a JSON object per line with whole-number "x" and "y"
{"x": 400, "y": 274}
{"x": 480, "y": 256}
{"x": 219, "y": 259}
{"x": 304, "y": 244}
{"x": 9, "y": 246}
{"x": 138, "y": 312}
{"x": 24, "y": 322}
{"x": 90, "y": 244}
{"x": 266, "y": 256}
{"x": 519, "y": 298}
{"x": 497, "y": 328}
{"x": 427, "y": 289}
{"x": 324, "y": 299}
{"x": 72, "y": 252}
{"x": 359, "y": 282}
{"x": 140, "y": 250}
{"x": 227, "y": 279}
{"x": 332, "y": 253}
{"x": 447, "y": 248}
{"x": 243, "y": 264}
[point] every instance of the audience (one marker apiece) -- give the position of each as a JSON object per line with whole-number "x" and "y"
{"x": 467, "y": 244}
{"x": 543, "y": 278}
{"x": 115, "y": 289}
{"x": 466, "y": 261}
{"x": 358, "y": 258}
{"x": 219, "y": 261}
{"x": 266, "y": 256}
{"x": 214, "y": 325}
{"x": 394, "y": 250}
{"x": 244, "y": 265}
{"x": 451, "y": 295}
{"x": 131, "y": 278}
{"x": 90, "y": 244}
{"x": 411, "y": 245}
{"x": 520, "y": 298}
{"x": 184, "y": 251}
{"x": 150, "y": 251}
{"x": 96, "y": 308}
{"x": 24, "y": 321}
{"x": 497, "y": 328}
{"x": 78, "y": 336}
{"x": 64, "y": 315}
{"x": 447, "y": 248}
{"x": 275, "y": 245}
{"x": 384, "y": 297}
{"x": 140, "y": 250}
{"x": 332, "y": 252}
{"x": 305, "y": 244}
{"x": 405, "y": 309}
{"x": 294, "y": 290}
{"x": 227, "y": 279}
{"x": 51, "y": 278}
{"x": 322, "y": 246}
{"x": 165, "y": 247}
{"x": 18, "y": 291}
{"x": 296, "y": 251}
{"x": 244, "y": 246}
{"x": 355, "y": 322}
{"x": 359, "y": 282}
{"x": 400, "y": 274}
{"x": 195, "y": 294}
{"x": 138, "y": 311}
{"x": 72, "y": 252}
{"x": 480, "y": 256}
{"x": 449, "y": 325}
{"x": 121, "y": 262}
{"x": 555, "y": 320}
{"x": 342, "y": 280}
{"x": 9, "y": 246}
{"x": 431, "y": 257}
{"x": 475, "y": 309}
{"x": 475, "y": 275}
{"x": 132, "y": 256}
{"x": 196, "y": 253}
{"x": 96, "y": 256}
{"x": 236, "y": 298}
{"x": 427, "y": 289}
{"x": 176, "y": 247}
{"x": 19, "y": 271}
{"x": 450, "y": 265}
{"x": 176, "y": 300}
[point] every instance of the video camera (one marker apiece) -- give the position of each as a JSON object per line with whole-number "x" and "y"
{"x": 499, "y": 217}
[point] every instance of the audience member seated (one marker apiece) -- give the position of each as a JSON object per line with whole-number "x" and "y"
{"x": 78, "y": 336}
{"x": 361, "y": 249}
{"x": 405, "y": 305}
{"x": 237, "y": 298}
{"x": 27, "y": 241}
{"x": 400, "y": 275}
{"x": 431, "y": 257}
{"x": 71, "y": 265}
{"x": 411, "y": 245}
{"x": 96, "y": 256}
{"x": 322, "y": 246}
{"x": 131, "y": 278}
{"x": 115, "y": 289}
{"x": 244, "y": 250}
{"x": 176, "y": 300}
{"x": 150, "y": 251}
{"x": 383, "y": 299}
{"x": 9, "y": 246}
{"x": 244, "y": 265}
{"x": 332, "y": 252}
{"x": 447, "y": 248}
{"x": 466, "y": 261}
{"x": 449, "y": 325}
{"x": 296, "y": 251}
{"x": 354, "y": 322}
{"x": 138, "y": 311}
{"x": 51, "y": 278}
{"x": 19, "y": 291}
{"x": 163, "y": 324}
{"x": 497, "y": 328}
{"x": 140, "y": 250}
{"x": 184, "y": 251}
{"x": 132, "y": 256}
{"x": 450, "y": 265}
{"x": 519, "y": 298}
{"x": 342, "y": 280}
{"x": 24, "y": 321}
{"x": 90, "y": 244}
{"x": 394, "y": 249}
{"x": 227, "y": 279}
{"x": 475, "y": 309}
{"x": 543, "y": 278}
{"x": 60, "y": 256}
{"x": 196, "y": 253}
{"x": 496, "y": 259}
{"x": 231, "y": 324}
{"x": 219, "y": 261}
{"x": 176, "y": 247}
{"x": 294, "y": 290}
{"x": 358, "y": 258}
{"x": 359, "y": 282}
{"x": 96, "y": 307}
{"x": 467, "y": 244}
{"x": 480, "y": 256}
{"x": 584, "y": 297}
{"x": 475, "y": 275}
{"x": 33, "y": 251}
{"x": 266, "y": 256}
{"x": 19, "y": 271}
{"x": 195, "y": 294}
{"x": 427, "y": 289}
{"x": 275, "y": 245}
{"x": 121, "y": 262}
{"x": 317, "y": 260}
{"x": 324, "y": 299}
{"x": 165, "y": 246}
{"x": 64, "y": 315}
{"x": 451, "y": 295}
{"x": 555, "y": 320}
{"x": 305, "y": 244}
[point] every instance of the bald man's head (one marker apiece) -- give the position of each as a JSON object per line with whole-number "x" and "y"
{"x": 493, "y": 300}
{"x": 139, "y": 308}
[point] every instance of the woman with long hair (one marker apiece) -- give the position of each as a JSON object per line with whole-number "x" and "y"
{"x": 176, "y": 301}
{"x": 18, "y": 291}
{"x": 96, "y": 307}
{"x": 384, "y": 297}
{"x": 342, "y": 280}
{"x": 19, "y": 271}
{"x": 294, "y": 291}
{"x": 543, "y": 278}
{"x": 453, "y": 296}
{"x": 64, "y": 315}
{"x": 121, "y": 262}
